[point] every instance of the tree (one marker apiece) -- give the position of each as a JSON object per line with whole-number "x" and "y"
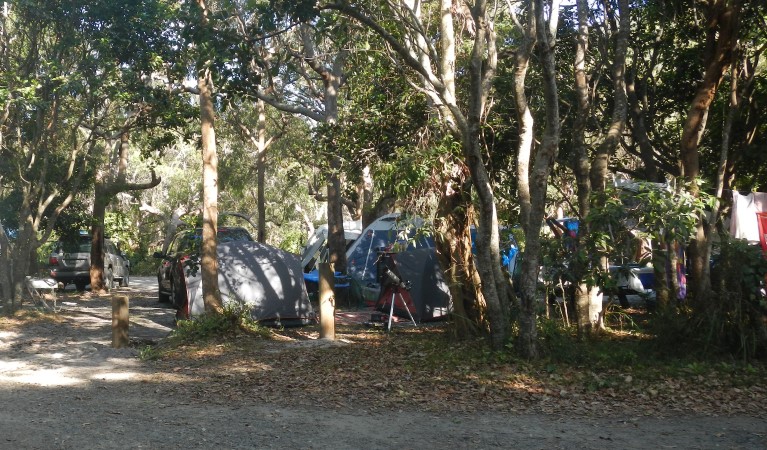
{"x": 48, "y": 94}
{"x": 285, "y": 65}
{"x": 435, "y": 73}
{"x": 721, "y": 37}
{"x": 593, "y": 175}
{"x": 209, "y": 257}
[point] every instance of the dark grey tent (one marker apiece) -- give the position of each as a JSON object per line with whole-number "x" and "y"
{"x": 427, "y": 298}
{"x": 264, "y": 279}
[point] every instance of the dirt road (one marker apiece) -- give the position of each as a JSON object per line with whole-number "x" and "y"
{"x": 62, "y": 386}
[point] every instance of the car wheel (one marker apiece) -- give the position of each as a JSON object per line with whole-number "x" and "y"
{"x": 125, "y": 280}
{"x": 80, "y": 286}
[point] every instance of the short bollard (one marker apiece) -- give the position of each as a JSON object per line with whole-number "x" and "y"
{"x": 327, "y": 302}
{"x": 120, "y": 321}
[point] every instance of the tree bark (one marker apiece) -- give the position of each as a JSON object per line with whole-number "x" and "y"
{"x": 639, "y": 132}
{"x": 544, "y": 160}
{"x": 108, "y": 185}
{"x": 101, "y": 199}
{"x": 494, "y": 282}
{"x": 452, "y": 239}
{"x": 588, "y": 303}
{"x": 620, "y": 106}
{"x": 209, "y": 261}
{"x": 722, "y": 34}
{"x": 261, "y": 171}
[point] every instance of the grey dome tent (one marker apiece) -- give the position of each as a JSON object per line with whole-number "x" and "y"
{"x": 264, "y": 279}
{"x": 391, "y": 231}
{"x": 428, "y": 296}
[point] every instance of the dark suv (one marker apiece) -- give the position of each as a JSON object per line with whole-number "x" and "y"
{"x": 70, "y": 262}
{"x": 184, "y": 247}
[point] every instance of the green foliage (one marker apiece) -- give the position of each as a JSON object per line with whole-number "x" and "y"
{"x": 647, "y": 211}
{"x": 74, "y": 218}
{"x": 620, "y": 217}
{"x": 735, "y": 321}
{"x": 293, "y": 241}
{"x": 731, "y": 323}
{"x": 561, "y": 345}
{"x": 234, "y": 320}
{"x": 383, "y": 124}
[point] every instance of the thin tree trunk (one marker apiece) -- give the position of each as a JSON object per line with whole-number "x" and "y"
{"x": 528, "y": 279}
{"x": 495, "y": 284}
{"x": 639, "y": 132}
{"x": 97, "y": 239}
{"x": 723, "y": 21}
{"x": 261, "y": 171}
{"x": 660, "y": 260}
{"x": 336, "y": 236}
{"x": 544, "y": 160}
{"x": 587, "y": 314}
{"x": 620, "y": 106}
{"x": 709, "y": 225}
{"x": 209, "y": 260}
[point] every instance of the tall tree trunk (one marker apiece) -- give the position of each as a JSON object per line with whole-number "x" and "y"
{"x": 495, "y": 286}
{"x": 709, "y": 225}
{"x": 620, "y": 106}
{"x": 528, "y": 280}
{"x": 722, "y": 34}
{"x": 23, "y": 246}
{"x": 367, "y": 212}
{"x": 6, "y": 271}
{"x": 261, "y": 171}
{"x": 453, "y": 243}
{"x": 100, "y": 201}
{"x": 209, "y": 262}
{"x": 617, "y": 122}
{"x": 544, "y": 161}
{"x": 588, "y": 303}
{"x": 336, "y": 237}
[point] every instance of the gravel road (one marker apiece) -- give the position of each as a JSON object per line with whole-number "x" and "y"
{"x": 62, "y": 386}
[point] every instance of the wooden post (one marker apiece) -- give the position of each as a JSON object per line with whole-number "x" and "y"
{"x": 120, "y": 321}
{"x": 327, "y": 301}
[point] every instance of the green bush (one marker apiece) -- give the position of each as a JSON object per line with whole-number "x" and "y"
{"x": 235, "y": 319}
{"x": 734, "y": 319}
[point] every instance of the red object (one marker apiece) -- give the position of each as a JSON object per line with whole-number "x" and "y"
{"x": 761, "y": 219}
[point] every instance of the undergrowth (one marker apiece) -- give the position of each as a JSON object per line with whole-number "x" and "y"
{"x": 231, "y": 323}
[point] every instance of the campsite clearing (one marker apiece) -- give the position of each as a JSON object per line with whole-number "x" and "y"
{"x": 64, "y": 387}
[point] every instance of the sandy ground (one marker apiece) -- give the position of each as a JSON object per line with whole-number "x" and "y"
{"x": 62, "y": 386}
